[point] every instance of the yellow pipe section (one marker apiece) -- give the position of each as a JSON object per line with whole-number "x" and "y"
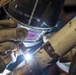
{"x": 65, "y": 39}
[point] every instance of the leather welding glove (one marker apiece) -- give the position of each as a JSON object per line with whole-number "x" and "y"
{"x": 9, "y": 35}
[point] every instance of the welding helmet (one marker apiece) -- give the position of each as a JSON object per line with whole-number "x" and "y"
{"x": 38, "y": 15}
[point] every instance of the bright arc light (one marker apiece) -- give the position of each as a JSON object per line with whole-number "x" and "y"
{"x": 28, "y": 57}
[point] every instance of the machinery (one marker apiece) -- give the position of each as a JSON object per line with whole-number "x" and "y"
{"x": 39, "y": 17}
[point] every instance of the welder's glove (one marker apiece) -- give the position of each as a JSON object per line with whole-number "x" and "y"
{"x": 9, "y": 35}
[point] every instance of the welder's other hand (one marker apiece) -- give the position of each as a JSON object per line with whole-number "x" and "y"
{"x": 8, "y": 34}
{"x": 8, "y": 31}
{"x": 68, "y": 57}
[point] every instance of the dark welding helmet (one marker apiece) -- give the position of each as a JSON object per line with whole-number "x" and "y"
{"x": 39, "y": 14}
